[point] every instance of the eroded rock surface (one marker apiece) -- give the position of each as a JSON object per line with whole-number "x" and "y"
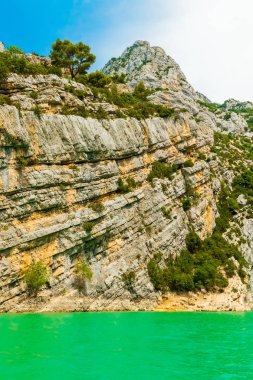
{"x": 53, "y": 168}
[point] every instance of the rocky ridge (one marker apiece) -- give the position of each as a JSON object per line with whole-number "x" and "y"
{"x": 158, "y": 71}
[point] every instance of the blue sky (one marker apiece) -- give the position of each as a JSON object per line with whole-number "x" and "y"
{"x": 210, "y": 39}
{"x": 35, "y": 25}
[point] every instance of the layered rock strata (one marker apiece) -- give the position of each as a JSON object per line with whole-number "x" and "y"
{"x": 53, "y": 169}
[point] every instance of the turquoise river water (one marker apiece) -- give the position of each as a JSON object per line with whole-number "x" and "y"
{"x": 124, "y": 346}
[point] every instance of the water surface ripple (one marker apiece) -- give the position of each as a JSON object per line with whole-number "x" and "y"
{"x": 124, "y": 346}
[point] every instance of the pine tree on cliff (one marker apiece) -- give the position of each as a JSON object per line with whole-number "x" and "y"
{"x": 77, "y": 58}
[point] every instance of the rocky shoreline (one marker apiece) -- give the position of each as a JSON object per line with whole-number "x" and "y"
{"x": 229, "y": 300}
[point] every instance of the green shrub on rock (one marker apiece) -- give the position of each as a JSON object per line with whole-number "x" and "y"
{"x": 243, "y": 183}
{"x": 83, "y": 274}
{"x": 36, "y": 276}
{"x": 128, "y": 279}
{"x": 98, "y": 79}
{"x": 156, "y": 275}
{"x": 166, "y": 212}
{"x": 141, "y": 92}
{"x": 186, "y": 204}
{"x": 201, "y": 266}
{"x": 87, "y": 226}
{"x": 125, "y": 187}
{"x": 4, "y": 99}
{"x": 4, "y": 71}
{"x": 161, "y": 170}
{"x": 188, "y": 164}
{"x": 12, "y": 62}
{"x": 37, "y": 112}
{"x": 193, "y": 242}
{"x": 97, "y": 206}
{"x": 34, "y": 95}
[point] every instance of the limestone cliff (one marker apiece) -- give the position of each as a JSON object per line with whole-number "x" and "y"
{"x": 56, "y": 168}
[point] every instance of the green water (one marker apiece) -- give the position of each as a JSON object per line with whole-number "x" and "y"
{"x": 126, "y": 346}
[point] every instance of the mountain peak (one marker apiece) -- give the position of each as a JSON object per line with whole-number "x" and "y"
{"x": 141, "y": 43}
{"x": 149, "y": 64}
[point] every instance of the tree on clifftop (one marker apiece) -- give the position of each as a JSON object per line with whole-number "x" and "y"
{"x": 75, "y": 57}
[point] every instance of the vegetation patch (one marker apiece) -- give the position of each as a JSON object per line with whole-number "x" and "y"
{"x": 212, "y": 107}
{"x": 206, "y": 264}
{"x": 12, "y": 61}
{"x": 161, "y": 170}
{"x": 186, "y": 204}
{"x": 202, "y": 265}
{"x": 128, "y": 279}
{"x": 133, "y": 104}
{"x": 22, "y": 161}
{"x": 36, "y": 277}
{"x": 37, "y": 112}
{"x": 126, "y": 187}
{"x": 188, "y": 164}
{"x": 166, "y": 212}
{"x": 4, "y": 99}
{"x": 97, "y": 207}
{"x": 87, "y": 226}
{"x": 83, "y": 274}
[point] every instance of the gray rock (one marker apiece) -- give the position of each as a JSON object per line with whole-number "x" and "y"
{"x": 242, "y": 200}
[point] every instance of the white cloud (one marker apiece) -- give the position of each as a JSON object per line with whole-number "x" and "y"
{"x": 210, "y": 39}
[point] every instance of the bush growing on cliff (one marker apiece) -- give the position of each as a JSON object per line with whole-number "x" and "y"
{"x": 132, "y": 105}
{"x": 163, "y": 111}
{"x": 101, "y": 113}
{"x": 188, "y": 164}
{"x": 37, "y": 112}
{"x": 202, "y": 156}
{"x": 36, "y": 277}
{"x": 201, "y": 266}
{"x": 77, "y": 111}
{"x": 227, "y": 205}
{"x": 87, "y": 226}
{"x": 97, "y": 206}
{"x": 3, "y": 71}
{"x": 34, "y": 95}
{"x": 141, "y": 92}
{"x": 166, "y": 212}
{"x": 119, "y": 78}
{"x": 161, "y": 170}
{"x": 125, "y": 187}
{"x": 186, "y": 204}
{"x": 22, "y": 161}
{"x": 96, "y": 79}
{"x": 157, "y": 275}
{"x": 11, "y": 62}
{"x": 4, "y": 99}
{"x": 211, "y": 106}
{"x": 128, "y": 279}
{"x": 243, "y": 183}
{"x": 83, "y": 273}
{"x": 193, "y": 242}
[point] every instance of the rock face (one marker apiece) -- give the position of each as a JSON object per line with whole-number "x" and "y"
{"x": 59, "y": 185}
{"x": 54, "y": 169}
